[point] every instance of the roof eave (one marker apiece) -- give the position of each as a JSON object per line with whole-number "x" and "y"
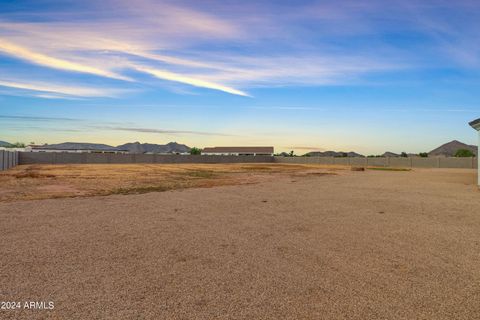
{"x": 475, "y": 124}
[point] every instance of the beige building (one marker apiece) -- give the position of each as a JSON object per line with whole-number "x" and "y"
{"x": 476, "y": 125}
{"x": 238, "y": 151}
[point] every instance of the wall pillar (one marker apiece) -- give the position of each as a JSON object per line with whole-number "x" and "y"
{"x": 478, "y": 158}
{"x": 1, "y": 160}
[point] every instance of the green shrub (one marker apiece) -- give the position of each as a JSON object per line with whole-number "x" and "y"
{"x": 464, "y": 153}
{"x": 195, "y": 151}
{"x": 16, "y": 145}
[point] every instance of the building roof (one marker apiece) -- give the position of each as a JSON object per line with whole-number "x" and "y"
{"x": 475, "y": 124}
{"x": 266, "y": 150}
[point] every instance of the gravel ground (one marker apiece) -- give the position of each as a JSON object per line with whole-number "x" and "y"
{"x": 360, "y": 245}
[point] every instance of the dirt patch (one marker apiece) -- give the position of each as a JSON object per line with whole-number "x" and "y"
{"x": 358, "y": 169}
{"x": 388, "y": 169}
{"x": 205, "y": 174}
{"x": 320, "y": 173}
{"x": 57, "y": 188}
{"x": 54, "y": 181}
{"x": 32, "y": 175}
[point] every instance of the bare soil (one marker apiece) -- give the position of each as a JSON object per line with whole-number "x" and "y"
{"x": 29, "y": 182}
{"x": 289, "y": 245}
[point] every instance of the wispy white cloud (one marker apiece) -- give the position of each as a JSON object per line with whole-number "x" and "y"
{"x": 162, "y": 131}
{"x": 163, "y": 35}
{"x": 60, "y": 91}
{"x": 171, "y": 76}
{"x": 303, "y": 69}
{"x": 35, "y": 118}
{"x": 52, "y": 62}
{"x": 455, "y": 36}
{"x": 232, "y": 48}
{"x": 293, "y": 108}
{"x": 185, "y": 21}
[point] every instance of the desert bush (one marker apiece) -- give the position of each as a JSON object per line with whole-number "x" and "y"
{"x": 464, "y": 153}
{"x": 195, "y": 151}
{"x": 16, "y": 145}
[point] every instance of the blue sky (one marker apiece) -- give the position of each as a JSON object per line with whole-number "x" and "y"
{"x": 367, "y": 76}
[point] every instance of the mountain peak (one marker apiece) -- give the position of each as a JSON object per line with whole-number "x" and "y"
{"x": 5, "y": 144}
{"x": 171, "y": 147}
{"x": 450, "y": 148}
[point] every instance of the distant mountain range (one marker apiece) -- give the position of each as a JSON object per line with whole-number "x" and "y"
{"x": 446, "y": 150}
{"x": 134, "y": 147}
{"x": 80, "y": 145}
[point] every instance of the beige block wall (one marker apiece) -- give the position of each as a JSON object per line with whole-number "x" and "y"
{"x": 463, "y": 163}
{"x": 8, "y": 159}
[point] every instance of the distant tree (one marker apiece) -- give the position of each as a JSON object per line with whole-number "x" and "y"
{"x": 195, "y": 151}
{"x": 307, "y": 155}
{"x": 423, "y": 154}
{"x": 404, "y": 155}
{"x": 464, "y": 153}
{"x": 17, "y": 145}
{"x": 291, "y": 154}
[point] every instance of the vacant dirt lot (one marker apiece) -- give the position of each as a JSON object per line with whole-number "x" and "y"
{"x": 286, "y": 245}
{"x": 31, "y": 182}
